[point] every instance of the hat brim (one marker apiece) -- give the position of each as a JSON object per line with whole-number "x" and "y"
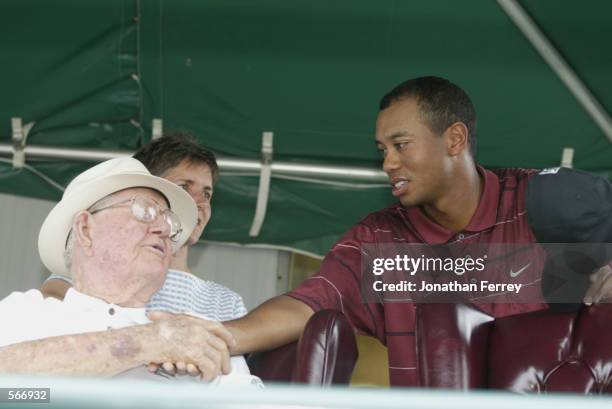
{"x": 56, "y": 227}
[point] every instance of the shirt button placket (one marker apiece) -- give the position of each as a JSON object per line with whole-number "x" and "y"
{"x": 111, "y": 312}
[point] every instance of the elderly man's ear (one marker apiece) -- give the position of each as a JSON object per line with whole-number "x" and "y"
{"x": 82, "y": 228}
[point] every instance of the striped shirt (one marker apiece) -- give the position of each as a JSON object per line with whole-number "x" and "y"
{"x": 183, "y": 292}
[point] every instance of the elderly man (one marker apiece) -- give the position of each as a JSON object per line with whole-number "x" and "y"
{"x": 114, "y": 230}
{"x": 179, "y": 158}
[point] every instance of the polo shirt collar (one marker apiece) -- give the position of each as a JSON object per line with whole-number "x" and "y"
{"x": 486, "y": 212}
{"x": 484, "y": 217}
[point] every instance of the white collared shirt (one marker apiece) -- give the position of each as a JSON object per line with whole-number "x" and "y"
{"x": 29, "y": 316}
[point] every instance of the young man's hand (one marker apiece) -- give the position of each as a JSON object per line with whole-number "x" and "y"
{"x": 55, "y": 288}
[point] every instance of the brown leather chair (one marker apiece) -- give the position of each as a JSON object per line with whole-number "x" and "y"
{"x": 460, "y": 347}
{"x": 325, "y": 354}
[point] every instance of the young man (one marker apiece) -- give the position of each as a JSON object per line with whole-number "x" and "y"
{"x": 178, "y": 158}
{"x": 426, "y": 132}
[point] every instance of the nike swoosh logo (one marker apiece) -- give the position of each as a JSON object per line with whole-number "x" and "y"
{"x": 519, "y": 271}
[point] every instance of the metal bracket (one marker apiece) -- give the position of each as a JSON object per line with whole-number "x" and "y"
{"x": 158, "y": 129}
{"x": 567, "y": 158}
{"x": 264, "y": 183}
{"x": 19, "y": 137}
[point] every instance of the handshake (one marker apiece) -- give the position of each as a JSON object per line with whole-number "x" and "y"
{"x": 188, "y": 345}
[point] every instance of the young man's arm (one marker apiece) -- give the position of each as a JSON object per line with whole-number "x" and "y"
{"x": 55, "y": 287}
{"x": 171, "y": 338}
{"x": 276, "y": 322}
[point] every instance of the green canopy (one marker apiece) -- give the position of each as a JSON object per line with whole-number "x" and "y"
{"x": 95, "y": 74}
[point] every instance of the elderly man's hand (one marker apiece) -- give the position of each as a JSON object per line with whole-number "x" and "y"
{"x": 601, "y": 286}
{"x": 195, "y": 345}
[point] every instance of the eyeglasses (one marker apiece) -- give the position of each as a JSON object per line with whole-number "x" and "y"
{"x": 147, "y": 210}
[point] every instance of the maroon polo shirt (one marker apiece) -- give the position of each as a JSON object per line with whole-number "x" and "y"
{"x": 501, "y": 217}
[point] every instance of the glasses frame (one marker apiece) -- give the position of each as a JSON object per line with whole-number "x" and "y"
{"x": 167, "y": 214}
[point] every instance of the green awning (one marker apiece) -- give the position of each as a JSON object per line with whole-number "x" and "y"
{"x": 95, "y": 75}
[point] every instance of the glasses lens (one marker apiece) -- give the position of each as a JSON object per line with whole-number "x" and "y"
{"x": 147, "y": 210}
{"x": 174, "y": 223}
{"x": 144, "y": 209}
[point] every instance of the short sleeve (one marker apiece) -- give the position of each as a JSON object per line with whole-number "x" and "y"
{"x": 240, "y": 309}
{"x": 337, "y": 284}
{"x": 59, "y": 277}
{"x": 24, "y": 317}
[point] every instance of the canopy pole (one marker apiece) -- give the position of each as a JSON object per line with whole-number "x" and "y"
{"x": 264, "y": 183}
{"x": 348, "y": 173}
{"x": 556, "y": 62}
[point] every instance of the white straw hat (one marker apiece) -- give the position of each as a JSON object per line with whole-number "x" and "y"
{"x": 96, "y": 183}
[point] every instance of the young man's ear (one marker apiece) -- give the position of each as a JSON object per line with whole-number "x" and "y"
{"x": 81, "y": 229}
{"x": 457, "y": 137}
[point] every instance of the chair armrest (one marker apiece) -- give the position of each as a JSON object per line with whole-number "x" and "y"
{"x": 325, "y": 354}
{"x": 452, "y": 344}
